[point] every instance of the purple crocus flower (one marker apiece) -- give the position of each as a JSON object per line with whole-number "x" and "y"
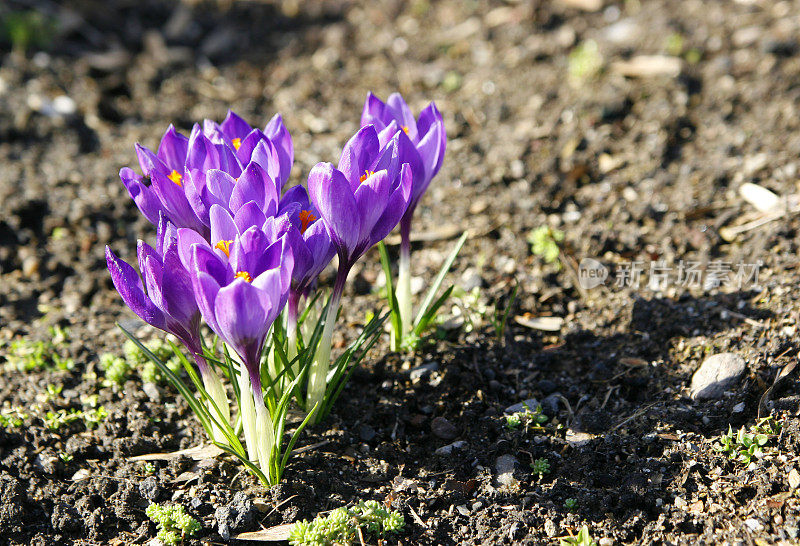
{"x": 240, "y": 297}
{"x": 312, "y": 251}
{"x": 168, "y": 303}
{"x": 363, "y": 199}
{"x": 429, "y": 140}
{"x": 184, "y": 177}
{"x": 427, "y": 134}
{"x": 360, "y": 202}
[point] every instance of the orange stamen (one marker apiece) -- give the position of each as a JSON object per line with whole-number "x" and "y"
{"x": 237, "y": 142}
{"x": 224, "y": 246}
{"x": 244, "y": 275}
{"x": 176, "y": 177}
{"x": 366, "y": 175}
{"x": 405, "y": 129}
{"x": 306, "y": 219}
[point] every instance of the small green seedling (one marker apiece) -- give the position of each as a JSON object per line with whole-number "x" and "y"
{"x": 91, "y": 418}
{"x": 571, "y": 505}
{"x": 742, "y": 446}
{"x": 546, "y": 242}
{"x": 115, "y": 368}
{"x": 26, "y": 356}
{"x": 12, "y": 418}
{"x": 53, "y": 391}
{"x": 541, "y": 467}
{"x": 174, "y": 524}
{"x": 149, "y": 468}
{"x": 535, "y": 419}
{"x": 585, "y": 61}
{"x": 583, "y": 538}
{"x": 500, "y": 318}
{"x": 149, "y": 372}
{"x": 347, "y": 525}
{"x": 65, "y": 457}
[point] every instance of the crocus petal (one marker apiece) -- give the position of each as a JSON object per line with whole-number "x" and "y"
{"x": 205, "y": 289}
{"x": 408, "y": 153}
{"x": 247, "y": 144}
{"x": 177, "y": 289}
{"x": 234, "y": 126}
{"x": 267, "y": 156}
{"x": 431, "y": 151}
{"x": 249, "y": 215}
{"x": 403, "y": 114}
{"x": 241, "y": 314}
{"x": 213, "y": 131}
{"x": 395, "y": 208}
{"x": 277, "y": 132}
{"x": 127, "y": 282}
{"x": 172, "y": 149}
{"x": 253, "y": 185}
{"x": 221, "y": 185}
{"x": 174, "y": 200}
{"x": 144, "y": 198}
{"x": 202, "y": 154}
{"x": 387, "y": 133}
{"x": 223, "y": 228}
{"x": 371, "y": 197}
{"x": 331, "y": 195}
{"x": 228, "y": 161}
{"x": 152, "y": 268}
{"x": 166, "y": 234}
{"x": 359, "y": 154}
{"x": 149, "y": 162}
{"x": 186, "y": 239}
{"x": 373, "y": 112}
{"x": 205, "y": 260}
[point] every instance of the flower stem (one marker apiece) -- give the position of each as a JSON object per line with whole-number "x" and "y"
{"x": 247, "y": 410}
{"x": 404, "y": 285}
{"x": 318, "y": 378}
{"x": 291, "y": 325}
{"x": 217, "y": 393}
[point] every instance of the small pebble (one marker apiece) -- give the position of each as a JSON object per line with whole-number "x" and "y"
{"x": 444, "y": 429}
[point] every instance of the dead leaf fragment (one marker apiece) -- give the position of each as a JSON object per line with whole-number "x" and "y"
{"x": 278, "y": 533}
{"x": 546, "y": 324}
{"x": 759, "y": 196}
{"x": 648, "y": 66}
{"x": 198, "y": 453}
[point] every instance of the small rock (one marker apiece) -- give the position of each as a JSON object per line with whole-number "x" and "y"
{"x": 550, "y": 404}
{"x": 149, "y": 488}
{"x": 239, "y": 513}
{"x": 152, "y": 391}
{"x": 504, "y": 467}
{"x": 444, "y": 451}
{"x": 477, "y": 505}
{"x": 605, "y": 541}
{"x": 716, "y": 374}
{"x": 738, "y": 408}
{"x": 546, "y": 386}
{"x": 794, "y": 478}
{"x": 425, "y": 370}
{"x": 366, "y": 433}
{"x": 463, "y": 510}
{"x": 753, "y": 524}
{"x": 530, "y": 403}
{"x": 444, "y": 429}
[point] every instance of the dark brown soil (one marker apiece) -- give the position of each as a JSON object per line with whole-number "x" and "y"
{"x": 629, "y": 168}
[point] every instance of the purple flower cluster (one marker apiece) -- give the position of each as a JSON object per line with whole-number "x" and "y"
{"x": 234, "y": 247}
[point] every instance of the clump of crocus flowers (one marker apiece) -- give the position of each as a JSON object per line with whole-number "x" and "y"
{"x": 237, "y": 250}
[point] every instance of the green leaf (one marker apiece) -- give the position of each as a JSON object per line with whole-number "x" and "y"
{"x": 391, "y": 294}
{"x": 437, "y": 283}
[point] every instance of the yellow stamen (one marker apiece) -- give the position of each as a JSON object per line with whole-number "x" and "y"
{"x": 244, "y": 275}
{"x": 306, "y": 219}
{"x": 405, "y": 129}
{"x": 366, "y": 175}
{"x": 236, "y": 142}
{"x": 176, "y": 177}
{"x": 224, "y": 246}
